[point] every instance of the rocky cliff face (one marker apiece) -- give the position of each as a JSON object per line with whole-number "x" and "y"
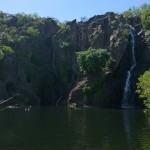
{"x": 114, "y": 36}
{"x": 44, "y": 70}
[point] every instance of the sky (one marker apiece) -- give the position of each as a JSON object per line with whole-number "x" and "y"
{"x": 67, "y": 10}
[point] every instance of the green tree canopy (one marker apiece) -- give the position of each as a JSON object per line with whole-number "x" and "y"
{"x": 5, "y": 50}
{"x": 145, "y": 17}
{"x": 93, "y": 60}
{"x": 32, "y": 32}
{"x": 136, "y": 11}
{"x": 143, "y": 88}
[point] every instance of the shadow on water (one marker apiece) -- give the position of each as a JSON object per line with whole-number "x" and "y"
{"x": 67, "y": 129}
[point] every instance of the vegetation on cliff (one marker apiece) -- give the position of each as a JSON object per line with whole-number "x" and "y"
{"x": 93, "y": 60}
{"x": 143, "y": 11}
{"x": 39, "y": 57}
{"x": 145, "y": 17}
{"x": 24, "y": 56}
{"x": 143, "y": 88}
{"x": 5, "y": 50}
{"x": 94, "y": 64}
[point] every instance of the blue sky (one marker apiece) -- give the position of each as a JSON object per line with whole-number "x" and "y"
{"x": 67, "y": 9}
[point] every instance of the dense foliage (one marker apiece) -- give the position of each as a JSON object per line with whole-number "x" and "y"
{"x": 145, "y": 17}
{"x": 5, "y": 50}
{"x": 25, "y": 35}
{"x": 17, "y": 29}
{"x": 143, "y": 11}
{"x": 94, "y": 85}
{"x": 135, "y": 11}
{"x": 143, "y": 88}
{"x": 93, "y": 60}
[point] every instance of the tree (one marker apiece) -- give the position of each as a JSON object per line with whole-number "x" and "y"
{"x": 145, "y": 6}
{"x": 145, "y": 17}
{"x": 1, "y": 55}
{"x": 142, "y": 11}
{"x": 143, "y": 88}
{"x": 93, "y": 60}
{"x": 6, "y": 49}
{"x": 127, "y": 14}
{"x": 33, "y": 32}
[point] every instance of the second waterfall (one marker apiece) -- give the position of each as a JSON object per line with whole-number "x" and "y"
{"x": 127, "y": 101}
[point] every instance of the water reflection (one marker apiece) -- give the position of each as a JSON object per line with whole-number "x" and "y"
{"x": 127, "y": 118}
{"x": 144, "y": 135}
{"x": 97, "y": 129}
{"x": 137, "y": 129}
{"x": 67, "y": 129}
{"x": 77, "y": 119}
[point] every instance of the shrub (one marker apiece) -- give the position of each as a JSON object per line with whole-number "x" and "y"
{"x": 6, "y": 49}
{"x": 64, "y": 45}
{"x": 143, "y": 88}
{"x": 116, "y": 44}
{"x": 126, "y": 32}
{"x": 93, "y": 60}
{"x": 94, "y": 86}
{"x": 87, "y": 90}
{"x": 33, "y": 32}
{"x": 63, "y": 26}
{"x": 145, "y": 17}
{"x": 121, "y": 25}
{"x": 1, "y": 55}
{"x": 137, "y": 11}
{"x": 127, "y": 14}
{"x": 113, "y": 23}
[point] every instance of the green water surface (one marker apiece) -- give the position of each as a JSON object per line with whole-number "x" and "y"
{"x": 59, "y": 128}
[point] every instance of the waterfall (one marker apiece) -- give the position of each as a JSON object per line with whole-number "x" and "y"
{"x": 127, "y": 101}
{"x": 55, "y": 72}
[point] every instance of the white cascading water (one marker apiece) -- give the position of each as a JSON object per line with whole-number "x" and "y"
{"x": 127, "y": 101}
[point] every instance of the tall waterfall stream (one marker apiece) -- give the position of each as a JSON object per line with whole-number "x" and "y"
{"x": 127, "y": 101}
